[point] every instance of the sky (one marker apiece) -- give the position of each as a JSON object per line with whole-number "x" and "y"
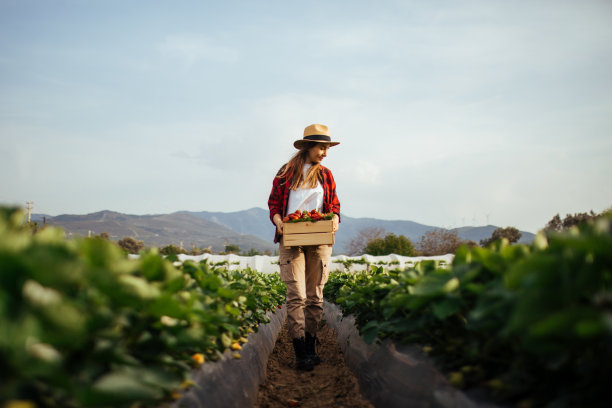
{"x": 448, "y": 113}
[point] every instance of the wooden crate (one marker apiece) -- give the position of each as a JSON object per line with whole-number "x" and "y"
{"x": 308, "y": 233}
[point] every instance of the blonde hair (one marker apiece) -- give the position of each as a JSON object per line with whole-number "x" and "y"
{"x": 294, "y": 169}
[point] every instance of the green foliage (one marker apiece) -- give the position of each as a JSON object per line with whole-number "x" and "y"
{"x": 104, "y": 235}
{"x": 531, "y": 324}
{"x": 556, "y": 224}
{"x": 82, "y": 325}
{"x": 357, "y": 244}
{"x": 439, "y": 242}
{"x": 131, "y": 245}
{"x": 232, "y": 249}
{"x": 510, "y": 233}
{"x": 390, "y": 244}
{"x": 171, "y": 250}
{"x": 199, "y": 251}
{"x": 347, "y": 263}
{"x": 252, "y": 252}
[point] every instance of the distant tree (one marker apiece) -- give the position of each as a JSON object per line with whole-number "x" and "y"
{"x": 34, "y": 226}
{"x": 390, "y": 244}
{"x": 510, "y": 233}
{"x": 252, "y": 252}
{"x": 469, "y": 243}
{"x": 439, "y": 242}
{"x": 232, "y": 249}
{"x": 104, "y": 235}
{"x": 557, "y": 224}
{"x": 171, "y": 250}
{"x": 357, "y": 245}
{"x": 131, "y": 245}
{"x": 199, "y": 251}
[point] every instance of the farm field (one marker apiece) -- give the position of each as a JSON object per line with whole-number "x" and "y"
{"x": 522, "y": 325}
{"x": 340, "y": 263}
{"x": 83, "y": 325}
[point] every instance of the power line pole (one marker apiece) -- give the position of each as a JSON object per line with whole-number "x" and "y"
{"x": 30, "y": 206}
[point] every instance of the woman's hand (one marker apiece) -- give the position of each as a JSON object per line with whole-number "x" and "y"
{"x": 335, "y": 222}
{"x": 279, "y": 224}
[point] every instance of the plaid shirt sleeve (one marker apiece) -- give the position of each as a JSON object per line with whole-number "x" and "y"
{"x": 278, "y": 197}
{"x": 330, "y": 198}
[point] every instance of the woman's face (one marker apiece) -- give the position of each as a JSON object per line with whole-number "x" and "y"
{"x": 317, "y": 153}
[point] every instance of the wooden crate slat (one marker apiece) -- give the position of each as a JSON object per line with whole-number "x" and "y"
{"x": 315, "y": 238}
{"x": 306, "y": 227}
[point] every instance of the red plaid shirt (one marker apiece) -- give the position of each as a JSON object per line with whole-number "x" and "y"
{"x": 279, "y": 196}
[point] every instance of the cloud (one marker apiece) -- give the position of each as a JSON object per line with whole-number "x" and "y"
{"x": 366, "y": 173}
{"x": 192, "y": 49}
{"x": 180, "y": 154}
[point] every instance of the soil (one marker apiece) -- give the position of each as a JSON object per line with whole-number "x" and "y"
{"x": 330, "y": 384}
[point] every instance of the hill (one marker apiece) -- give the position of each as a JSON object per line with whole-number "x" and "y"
{"x": 249, "y": 229}
{"x": 160, "y": 230}
{"x": 255, "y": 221}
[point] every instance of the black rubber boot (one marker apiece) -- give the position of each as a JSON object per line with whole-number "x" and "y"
{"x": 311, "y": 349}
{"x": 303, "y": 362}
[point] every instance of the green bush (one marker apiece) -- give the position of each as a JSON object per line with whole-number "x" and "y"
{"x": 510, "y": 233}
{"x": 131, "y": 245}
{"x": 531, "y": 324}
{"x": 171, "y": 250}
{"x": 81, "y": 325}
{"x": 390, "y": 244}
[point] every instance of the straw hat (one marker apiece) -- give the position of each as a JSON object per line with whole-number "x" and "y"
{"x": 315, "y": 133}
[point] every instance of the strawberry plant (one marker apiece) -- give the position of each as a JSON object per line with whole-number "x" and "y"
{"x": 530, "y": 324}
{"x": 312, "y": 216}
{"x": 82, "y": 325}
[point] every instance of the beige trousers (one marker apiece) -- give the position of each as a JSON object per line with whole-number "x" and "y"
{"x": 305, "y": 270}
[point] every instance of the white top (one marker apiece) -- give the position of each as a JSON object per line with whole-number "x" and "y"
{"x": 306, "y": 199}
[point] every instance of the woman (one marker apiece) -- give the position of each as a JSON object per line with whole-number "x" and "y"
{"x": 304, "y": 184}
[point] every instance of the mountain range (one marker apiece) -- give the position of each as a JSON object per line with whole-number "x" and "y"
{"x": 249, "y": 229}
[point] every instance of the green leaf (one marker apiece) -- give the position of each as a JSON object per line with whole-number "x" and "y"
{"x": 120, "y": 388}
{"x": 139, "y": 287}
{"x": 446, "y": 307}
{"x": 226, "y": 340}
{"x": 432, "y": 285}
{"x": 370, "y": 331}
{"x": 166, "y": 305}
{"x": 589, "y": 328}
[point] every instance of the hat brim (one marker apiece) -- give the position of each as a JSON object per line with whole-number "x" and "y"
{"x": 301, "y": 142}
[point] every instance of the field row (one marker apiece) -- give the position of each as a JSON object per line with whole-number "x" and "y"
{"x": 529, "y": 325}
{"x": 340, "y": 263}
{"x": 82, "y": 325}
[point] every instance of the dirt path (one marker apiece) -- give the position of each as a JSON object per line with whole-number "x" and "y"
{"x": 330, "y": 384}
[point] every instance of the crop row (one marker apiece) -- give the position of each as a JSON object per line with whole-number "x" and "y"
{"x": 529, "y": 325}
{"x": 83, "y": 325}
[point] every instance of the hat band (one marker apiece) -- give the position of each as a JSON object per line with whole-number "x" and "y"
{"x": 318, "y": 137}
